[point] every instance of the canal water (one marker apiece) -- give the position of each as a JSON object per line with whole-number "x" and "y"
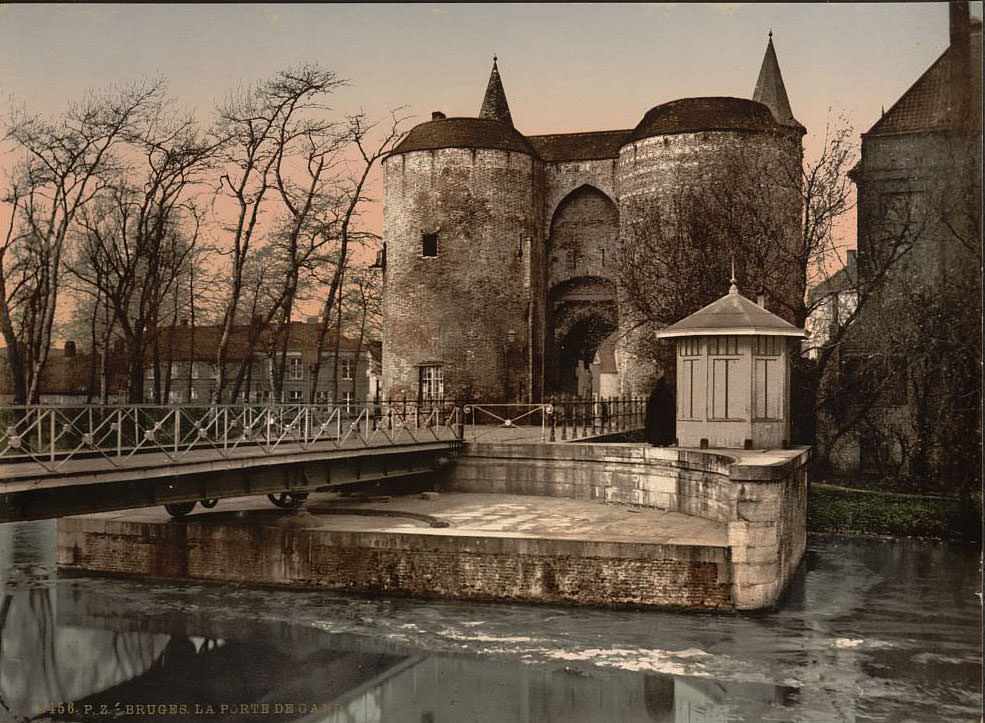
{"x": 871, "y": 630}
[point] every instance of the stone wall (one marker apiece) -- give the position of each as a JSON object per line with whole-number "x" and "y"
{"x": 454, "y": 309}
{"x": 433, "y": 565}
{"x": 757, "y": 500}
{"x": 760, "y": 495}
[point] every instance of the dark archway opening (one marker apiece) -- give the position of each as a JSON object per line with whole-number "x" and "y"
{"x": 576, "y": 350}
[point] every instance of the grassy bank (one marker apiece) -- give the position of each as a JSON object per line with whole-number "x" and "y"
{"x": 855, "y": 511}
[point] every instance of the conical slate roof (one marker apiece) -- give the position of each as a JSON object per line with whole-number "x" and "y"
{"x": 494, "y": 105}
{"x": 731, "y": 314}
{"x": 770, "y": 90}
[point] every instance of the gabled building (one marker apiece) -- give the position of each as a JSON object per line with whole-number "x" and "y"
{"x": 910, "y": 365}
{"x": 832, "y": 302}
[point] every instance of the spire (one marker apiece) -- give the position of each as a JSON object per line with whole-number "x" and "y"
{"x": 734, "y": 284}
{"x": 770, "y": 90}
{"x": 494, "y": 105}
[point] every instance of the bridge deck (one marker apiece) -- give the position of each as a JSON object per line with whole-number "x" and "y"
{"x": 16, "y": 474}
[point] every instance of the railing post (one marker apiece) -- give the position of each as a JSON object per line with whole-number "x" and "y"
{"x": 460, "y": 425}
{"x": 552, "y": 418}
{"x": 119, "y": 432}
{"x": 52, "y": 424}
{"x": 177, "y": 427}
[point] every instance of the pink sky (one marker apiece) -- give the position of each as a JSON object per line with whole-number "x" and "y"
{"x": 565, "y": 67}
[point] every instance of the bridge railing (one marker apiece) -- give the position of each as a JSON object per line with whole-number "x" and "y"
{"x": 559, "y": 420}
{"x": 53, "y": 435}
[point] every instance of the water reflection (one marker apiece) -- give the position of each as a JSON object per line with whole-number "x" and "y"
{"x": 870, "y": 630}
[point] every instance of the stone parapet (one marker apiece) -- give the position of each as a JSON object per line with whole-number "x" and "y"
{"x": 761, "y": 495}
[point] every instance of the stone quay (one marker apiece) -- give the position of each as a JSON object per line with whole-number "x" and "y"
{"x": 622, "y": 524}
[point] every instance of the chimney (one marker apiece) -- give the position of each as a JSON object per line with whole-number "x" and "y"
{"x": 313, "y": 320}
{"x": 183, "y": 322}
{"x": 69, "y": 348}
{"x": 959, "y": 60}
{"x": 761, "y": 300}
{"x": 437, "y": 115}
{"x": 851, "y": 258}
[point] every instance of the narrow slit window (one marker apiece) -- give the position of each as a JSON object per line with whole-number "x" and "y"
{"x": 429, "y": 244}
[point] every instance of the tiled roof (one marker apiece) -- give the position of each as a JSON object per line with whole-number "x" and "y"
{"x": 464, "y": 133}
{"x": 589, "y": 146}
{"x": 925, "y": 106}
{"x": 203, "y": 345}
{"x": 689, "y": 115}
{"x": 731, "y": 314}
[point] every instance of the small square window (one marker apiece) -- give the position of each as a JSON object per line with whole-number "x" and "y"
{"x": 429, "y": 244}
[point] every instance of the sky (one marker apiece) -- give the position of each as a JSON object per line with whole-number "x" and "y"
{"x": 565, "y": 67}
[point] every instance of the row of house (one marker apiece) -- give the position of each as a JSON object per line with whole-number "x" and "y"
{"x": 186, "y": 371}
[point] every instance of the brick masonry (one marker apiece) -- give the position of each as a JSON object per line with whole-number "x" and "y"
{"x": 513, "y": 229}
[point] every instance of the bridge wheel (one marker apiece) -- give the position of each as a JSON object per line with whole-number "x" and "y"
{"x": 180, "y": 509}
{"x": 210, "y": 503}
{"x": 288, "y": 499}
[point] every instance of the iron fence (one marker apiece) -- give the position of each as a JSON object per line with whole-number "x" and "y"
{"x": 53, "y": 435}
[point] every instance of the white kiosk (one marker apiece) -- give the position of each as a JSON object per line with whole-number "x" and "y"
{"x": 733, "y": 375}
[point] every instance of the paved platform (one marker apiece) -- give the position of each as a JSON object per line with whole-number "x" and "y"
{"x": 466, "y": 514}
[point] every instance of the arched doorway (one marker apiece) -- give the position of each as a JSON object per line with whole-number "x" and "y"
{"x": 581, "y": 304}
{"x": 583, "y": 316}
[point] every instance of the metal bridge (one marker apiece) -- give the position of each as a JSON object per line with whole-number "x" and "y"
{"x": 63, "y": 460}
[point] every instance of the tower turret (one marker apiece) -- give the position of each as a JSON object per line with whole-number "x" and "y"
{"x": 771, "y": 92}
{"x": 494, "y": 105}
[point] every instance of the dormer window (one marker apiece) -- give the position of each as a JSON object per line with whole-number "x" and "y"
{"x": 429, "y": 244}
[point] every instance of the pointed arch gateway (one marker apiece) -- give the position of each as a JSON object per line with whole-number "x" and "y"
{"x": 581, "y": 303}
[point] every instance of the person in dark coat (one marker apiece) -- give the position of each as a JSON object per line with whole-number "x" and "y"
{"x": 661, "y": 415}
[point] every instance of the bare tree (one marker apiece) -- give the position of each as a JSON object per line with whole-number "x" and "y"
{"x": 350, "y": 197}
{"x": 260, "y": 127}
{"x": 65, "y": 164}
{"x": 134, "y": 246}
